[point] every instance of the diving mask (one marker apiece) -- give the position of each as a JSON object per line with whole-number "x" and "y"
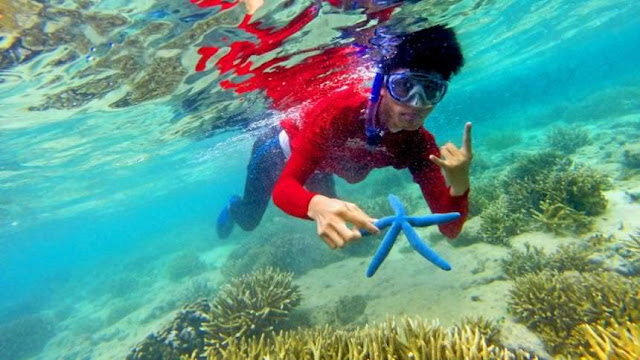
{"x": 416, "y": 89}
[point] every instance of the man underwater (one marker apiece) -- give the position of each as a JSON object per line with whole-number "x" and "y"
{"x": 348, "y": 134}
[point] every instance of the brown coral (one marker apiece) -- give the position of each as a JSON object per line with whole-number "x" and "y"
{"x": 554, "y": 305}
{"x": 614, "y": 342}
{"x": 414, "y": 339}
{"x": 250, "y": 305}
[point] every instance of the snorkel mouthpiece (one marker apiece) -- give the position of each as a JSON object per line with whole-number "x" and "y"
{"x": 373, "y": 132}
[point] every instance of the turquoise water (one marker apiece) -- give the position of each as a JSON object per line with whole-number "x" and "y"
{"x": 118, "y": 177}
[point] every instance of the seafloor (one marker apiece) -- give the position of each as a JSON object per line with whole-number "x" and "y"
{"x": 147, "y": 291}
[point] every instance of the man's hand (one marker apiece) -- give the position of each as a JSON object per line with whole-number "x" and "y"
{"x": 332, "y": 216}
{"x": 456, "y": 162}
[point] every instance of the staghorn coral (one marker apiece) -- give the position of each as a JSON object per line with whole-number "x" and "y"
{"x": 488, "y": 328}
{"x": 415, "y": 339}
{"x": 567, "y": 140}
{"x": 614, "y": 342}
{"x": 573, "y": 257}
{"x": 630, "y": 249}
{"x": 554, "y": 304}
{"x": 518, "y": 263}
{"x": 560, "y": 219}
{"x": 544, "y": 191}
{"x": 499, "y": 223}
{"x": 250, "y": 305}
{"x": 598, "y": 239}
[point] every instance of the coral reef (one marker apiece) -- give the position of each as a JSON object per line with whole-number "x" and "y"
{"x": 543, "y": 191}
{"x": 246, "y": 306}
{"x": 567, "y": 140}
{"x": 499, "y": 223}
{"x": 598, "y": 239}
{"x": 488, "y": 328}
{"x": 630, "y": 252}
{"x": 183, "y": 336}
{"x": 183, "y": 265}
{"x": 414, "y": 339}
{"x": 533, "y": 260}
{"x": 571, "y": 257}
{"x": 613, "y": 342}
{"x": 250, "y": 305}
{"x": 484, "y": 194}
{"x": 530, "y": 261}
{"x": 554, "y": 305}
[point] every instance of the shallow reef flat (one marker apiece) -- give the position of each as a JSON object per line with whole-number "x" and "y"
{"x": 484, "y": 281}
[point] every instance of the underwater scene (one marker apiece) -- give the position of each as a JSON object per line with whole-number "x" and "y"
{"x": 319, "y": 179}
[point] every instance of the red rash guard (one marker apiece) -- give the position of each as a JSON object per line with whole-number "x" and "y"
{"x": 331, "y": 138}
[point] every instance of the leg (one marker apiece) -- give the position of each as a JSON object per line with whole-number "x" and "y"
{"x": 265, "y": 166}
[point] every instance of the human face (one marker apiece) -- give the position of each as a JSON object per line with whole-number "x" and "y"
{"x": 401, "y": 117}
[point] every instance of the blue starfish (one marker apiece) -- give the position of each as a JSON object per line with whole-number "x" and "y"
{"x": 401, "y": 222}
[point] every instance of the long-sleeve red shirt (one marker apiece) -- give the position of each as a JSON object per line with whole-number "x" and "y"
{"x": 330, "y": 137}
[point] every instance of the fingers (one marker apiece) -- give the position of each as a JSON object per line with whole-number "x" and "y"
{"x": 449, "y": 150}
{"x": 436, "y": 160}
{"x": 466, "y": 138}
{"x": 337, "y": 234}
{"x": 359, "y": 218}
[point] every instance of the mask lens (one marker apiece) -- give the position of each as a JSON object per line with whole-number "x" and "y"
{"x": 420, "y": 90}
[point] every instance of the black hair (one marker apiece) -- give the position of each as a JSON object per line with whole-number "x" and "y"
{"x": 434, "y": 49}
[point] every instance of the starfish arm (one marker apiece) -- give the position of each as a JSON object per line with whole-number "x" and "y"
{"x": 384, "y": 248}
{"x": 380, "y": 224}
{"x": 397, "y": 206}
{"x": 422, "y": 248}
{"x": 432, "y": 219}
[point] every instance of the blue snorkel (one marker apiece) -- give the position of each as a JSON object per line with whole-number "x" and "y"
{"x": 373, "y": 132}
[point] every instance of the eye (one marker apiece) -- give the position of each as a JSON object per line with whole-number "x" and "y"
{"x": 403, "y": 86}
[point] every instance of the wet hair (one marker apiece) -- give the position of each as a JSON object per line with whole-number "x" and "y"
{"x": 434, "y": 49}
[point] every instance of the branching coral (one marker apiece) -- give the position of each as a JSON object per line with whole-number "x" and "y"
{"x": 630, "y": 250}
{"x": 519, "y": 263}
{"x": 183, "y": 336}
{"x": 561, "y": 219}
{"x": 545, "y": 191}
{"x": 567, "y": 140}
{"x": 250, "y": 305}
{"x": 554, "y": 305}
{"x": 534, "y": 260}
{"x": 488, "y": 328}
{"x": 614, "y": 342}
{"x": 483, "y": 195}
{"x": 245, "y": 306}
{"x": 499, "y": 223}
{"x": 415, "y": 339}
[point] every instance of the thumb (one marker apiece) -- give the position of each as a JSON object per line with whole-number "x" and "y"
{"x": 436, "y": 160}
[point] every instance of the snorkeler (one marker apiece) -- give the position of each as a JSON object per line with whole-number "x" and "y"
{"x": 350, "y": 134}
